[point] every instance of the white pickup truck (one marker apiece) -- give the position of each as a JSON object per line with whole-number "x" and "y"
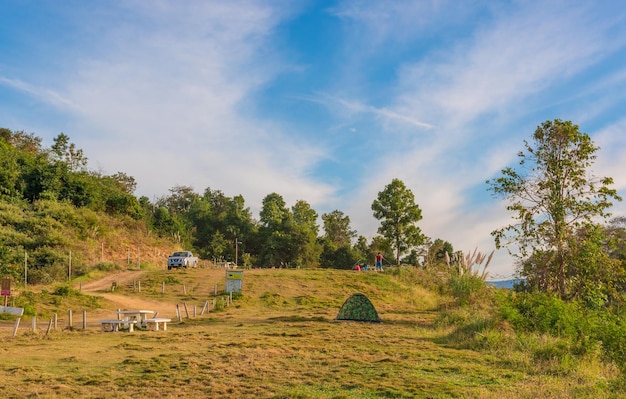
{"x": 182, "y": 259}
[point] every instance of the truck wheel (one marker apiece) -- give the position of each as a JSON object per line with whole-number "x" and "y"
{"x": 169, "y": 268}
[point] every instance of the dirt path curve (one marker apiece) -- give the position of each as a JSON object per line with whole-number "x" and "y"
{"x": 104, "y": 283}
{"x": 102, "y": 287}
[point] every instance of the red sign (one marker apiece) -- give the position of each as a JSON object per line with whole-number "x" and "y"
{"x": 6, "y": 287}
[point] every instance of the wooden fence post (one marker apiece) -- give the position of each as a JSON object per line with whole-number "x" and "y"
{"x": 70, "y": 323}
{"x": 17, "y": 324}
{"x": 84, "y": 319}
{"x": 55, "y": 319}
{"x": 34, "y": 323}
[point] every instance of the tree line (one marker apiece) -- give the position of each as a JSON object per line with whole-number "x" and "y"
{"x": 217, "y": 227}
{"x": 563, "y": 237}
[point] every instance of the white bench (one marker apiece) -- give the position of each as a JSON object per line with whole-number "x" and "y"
{"x": 112, "y": 325}
{"x": 156, "y": 324}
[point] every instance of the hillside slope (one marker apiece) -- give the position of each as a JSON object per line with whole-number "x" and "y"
{"x": 278, "y": 340}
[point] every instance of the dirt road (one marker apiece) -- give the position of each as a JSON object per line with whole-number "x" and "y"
{"x": 102, "y": 288}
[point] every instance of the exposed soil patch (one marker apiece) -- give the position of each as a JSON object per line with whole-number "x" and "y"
{"x": 102, "y": 288}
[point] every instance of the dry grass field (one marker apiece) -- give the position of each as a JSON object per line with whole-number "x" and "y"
{"x": 277, "y": 340}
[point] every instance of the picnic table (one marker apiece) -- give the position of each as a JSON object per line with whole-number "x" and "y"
{"x": 112, "y": 325}
{"x": 138, "y": 316}
{"x": 127, "y": 319}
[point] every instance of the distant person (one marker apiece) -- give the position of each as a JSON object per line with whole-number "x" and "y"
{"x": 356, "y": 267}
{"x": 379, "y": 262}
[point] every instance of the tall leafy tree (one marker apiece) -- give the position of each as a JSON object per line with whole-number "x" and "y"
{"x": 274, "y": 231}
{"x": 66, "y": 152}
{"x": 274, "y": 211}
{"x": 305, "y": 248}
{"x": 238, "y": 226}
{"x": 180, "y": 199}
{"x": 552, "y": 194}
{"x": 337, "y": 229}
{"x": 396, "y": 209}
{"x": 337, "y": 241}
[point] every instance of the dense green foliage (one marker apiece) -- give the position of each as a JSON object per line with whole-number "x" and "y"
{"x": 573, "y": 269}
{"x": 52, "y": 209}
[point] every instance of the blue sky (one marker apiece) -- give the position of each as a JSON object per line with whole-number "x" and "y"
{"x": 325, "y": 101}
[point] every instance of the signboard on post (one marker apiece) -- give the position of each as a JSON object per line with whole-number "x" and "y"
{"x": 6, "y": 287}
{"x": 234, "y": 280}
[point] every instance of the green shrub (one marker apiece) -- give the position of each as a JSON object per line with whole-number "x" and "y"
{"x": 171, "y": 280}
{"x": 466, "y": 288}
{"x": 64, "y": 290}
{"x": 546, "y": 314}
{"x": 612, "y": 333}
{"x": 107, "y": 266}
{"x": 26, "y": 300}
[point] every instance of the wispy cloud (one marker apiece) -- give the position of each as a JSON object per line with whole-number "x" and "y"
{"x": 506, "y": 69}
{"x": 165, "y": 101}
{"x": 355, "y": 107}
{"x": 42, "y": 94}
{"x": 440, "y": 94}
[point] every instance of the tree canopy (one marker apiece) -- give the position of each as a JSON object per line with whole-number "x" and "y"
{"x": 555, "y": 198}
{"x": 396, "y": 209}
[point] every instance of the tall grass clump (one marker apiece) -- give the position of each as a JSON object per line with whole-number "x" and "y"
{"x": 468, "y": 275}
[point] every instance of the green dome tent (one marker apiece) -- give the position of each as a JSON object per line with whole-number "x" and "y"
{"x": 358, "y": 308}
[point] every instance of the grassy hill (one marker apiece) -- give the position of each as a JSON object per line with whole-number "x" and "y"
{"x": 278, "y": 340}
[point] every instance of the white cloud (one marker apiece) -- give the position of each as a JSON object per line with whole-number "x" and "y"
{"x": 461, "y": 84}
{"x": 164, "y": 102}
{"x": 612, "y": 154}
{"x": 521, "y": 54}
{"x": 42, "y": 94}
